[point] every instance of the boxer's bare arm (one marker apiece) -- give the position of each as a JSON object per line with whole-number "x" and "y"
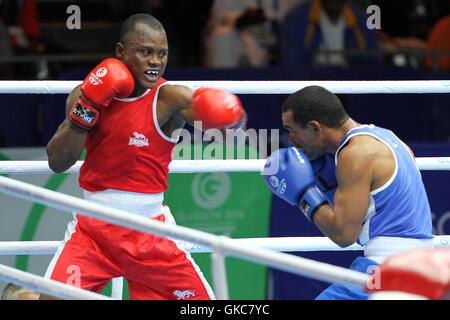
{"x": 175, "y": 103}
{"x": 66, "y": 145}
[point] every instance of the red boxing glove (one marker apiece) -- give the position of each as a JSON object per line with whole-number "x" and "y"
{"x": 424, "y": 272}
{"x": 111, "y": 78}
{"x": 218, "y": 108}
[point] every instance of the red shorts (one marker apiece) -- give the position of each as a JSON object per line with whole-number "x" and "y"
{"x": 95, "y": 251}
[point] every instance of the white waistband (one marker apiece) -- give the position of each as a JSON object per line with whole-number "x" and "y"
{"x": 144, "y": 204}
{"x": 380, "y": 248}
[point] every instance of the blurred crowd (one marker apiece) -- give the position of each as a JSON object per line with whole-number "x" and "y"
{"x": 237, "y": 33}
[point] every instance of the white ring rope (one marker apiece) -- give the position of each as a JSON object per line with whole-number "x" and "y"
{"x": 283, "y": 261}
{"x": 196, "y": 166}
{"x": 283, "y": 244}
{"x": 28, "y": 247}
{"x": 254, "y": 87}
{"x": 176, "y": 166}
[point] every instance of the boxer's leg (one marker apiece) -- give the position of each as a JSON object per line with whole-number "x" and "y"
{"x": 164, "y": 270}
{"x": 341, "y": 292}
{"x": 80, "y": 262}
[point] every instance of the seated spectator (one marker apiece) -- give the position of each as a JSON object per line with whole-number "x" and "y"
{"x": 402, "y": 51}
{"x": 244, "y": 32}
{"x": 438, "y": 39}
{"x": 327, "y": 25}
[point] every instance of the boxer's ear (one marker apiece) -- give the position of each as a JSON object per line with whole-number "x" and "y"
{"x": 120, "y": 50}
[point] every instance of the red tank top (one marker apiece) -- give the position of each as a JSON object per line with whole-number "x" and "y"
{"x": 127, "y": 150}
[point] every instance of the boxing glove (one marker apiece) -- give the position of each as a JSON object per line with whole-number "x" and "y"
{"x": 109, "y": 79}
{"x": 294, "y": 180}
{"x": 422, "y": 271}
{"x": 324, "y": 169}
{"x": 218, "y": 108}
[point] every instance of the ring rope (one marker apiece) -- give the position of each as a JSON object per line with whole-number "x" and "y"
{"x": 283, "y": 244}
{"x": 253, "y": 87}
{"x": 196, "y": 166}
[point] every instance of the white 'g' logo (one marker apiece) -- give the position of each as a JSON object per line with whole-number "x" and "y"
{"x": 211, "y": 190}
{"x": 101, "y": 72}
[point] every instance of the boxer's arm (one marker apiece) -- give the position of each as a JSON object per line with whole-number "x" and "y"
{"x": 109, "y": 79}
{"x": 182, "y": 102}
{"x": 343, "y": 221}
{"x": 66, "y": 145}
{"x": 410, "y": 151}
{"x": 174, "y": 101}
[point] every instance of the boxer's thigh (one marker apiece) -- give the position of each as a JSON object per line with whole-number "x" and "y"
{"x": 80, "y": 262}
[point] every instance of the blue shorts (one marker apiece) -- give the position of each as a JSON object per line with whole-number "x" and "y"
{"x": 342, "y": 292}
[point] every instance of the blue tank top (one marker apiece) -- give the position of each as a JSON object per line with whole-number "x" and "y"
{"x": 400, "y": 207}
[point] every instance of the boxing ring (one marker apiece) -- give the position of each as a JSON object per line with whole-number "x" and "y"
{"x": 271, "y": 252}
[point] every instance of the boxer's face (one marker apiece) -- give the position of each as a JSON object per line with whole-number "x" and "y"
{"x": 306, "y": 139}
{"x": 145, "y": 53}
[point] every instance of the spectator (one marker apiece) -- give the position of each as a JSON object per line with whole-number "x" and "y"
{"x": 244, "y": 33}
{"x": 438, "y": 39}
{"x": 405, "y": 26}
{"x": 328, "y": 25}
{"x": 402, "y": 51}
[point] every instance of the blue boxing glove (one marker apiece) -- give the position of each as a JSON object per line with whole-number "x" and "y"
{"x": 294, "y": 180}
{"x": 324, "y": 169}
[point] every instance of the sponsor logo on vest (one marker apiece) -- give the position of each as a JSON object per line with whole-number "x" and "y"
{"x": 183, "y": 294}
{"x": 139, "y": 140}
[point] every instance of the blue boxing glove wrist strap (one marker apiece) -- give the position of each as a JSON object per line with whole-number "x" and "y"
{"x": 310, "y": 200}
